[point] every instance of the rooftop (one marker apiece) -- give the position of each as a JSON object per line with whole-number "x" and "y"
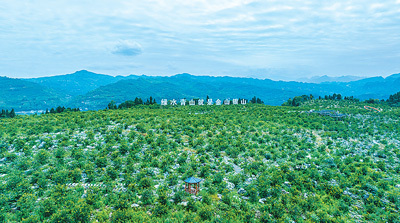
{"x": 192, "y": 180}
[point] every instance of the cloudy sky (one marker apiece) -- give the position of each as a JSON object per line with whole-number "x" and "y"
{"x": 252, "y": 38}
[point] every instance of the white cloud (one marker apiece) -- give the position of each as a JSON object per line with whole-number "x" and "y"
{"x": 240, "y": 31}
{"x": 377, "y": 6}
{"x": 127, "y": 48}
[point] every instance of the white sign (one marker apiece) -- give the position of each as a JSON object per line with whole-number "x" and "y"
{"x": 173, "y": 102}
{"x": 209, "y": 101}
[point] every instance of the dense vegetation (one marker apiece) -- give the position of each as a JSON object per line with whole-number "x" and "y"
{"x": 258, "y": 164}
{"x": 131, "y": 104}
{"x": 78, "y": 83}
{"x": 394, "y": 100}
{"x": 7, "y": 114}
{"x": 25, "y": 95}
{"x": 60, "y": 109}
{"x": 272, "y": 92}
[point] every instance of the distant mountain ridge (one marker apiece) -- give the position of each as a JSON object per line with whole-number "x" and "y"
{"x": 78, "y": 83}
{"x": 88, "y": 90}
{"x": 25, "y": 95}
{"x": 326, "y": 78}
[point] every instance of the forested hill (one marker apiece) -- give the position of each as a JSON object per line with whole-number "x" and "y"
{"x": 78, "y": 83}
{"x": 88, "y": 90}
{"x": 271, "y": 92}
{"x": 183, "y": 86}
{"x": 25, "y": 95}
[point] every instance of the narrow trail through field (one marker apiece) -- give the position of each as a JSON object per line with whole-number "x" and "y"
{"x": 369, "y": 108}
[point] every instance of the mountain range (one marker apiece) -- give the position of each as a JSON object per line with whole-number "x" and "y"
{"x": 90, "y": 91}
{"x": 326, "y": 78}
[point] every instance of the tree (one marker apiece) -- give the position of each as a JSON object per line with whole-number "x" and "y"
{"x": 394, "y": 100}
{"x": 147, "y": 197}
{"x": 191, "y": 205}
{"x": 12, "y": 113}
{"x": 162, "y": 196}
{"x": 138, "y": 101}
{"x": 7, "y": 114}
{"x": 297, "y": 101}
{"x": 253, "y": 100}
{"x": 253, "y": 195}
{"x": 206, "y": 213}
{"x": 59, "y": 109}
{"x": 26, "y": 205}
{"x": 42, "y": 156}
{"x": 256, "y": 100}
{"x": 145, "y": 182}
{"x": 112, "y": 105}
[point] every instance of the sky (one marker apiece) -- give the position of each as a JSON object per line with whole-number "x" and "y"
{"x": 282, "y": 40}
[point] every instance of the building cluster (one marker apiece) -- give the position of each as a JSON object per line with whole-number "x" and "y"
{"x": 209, "y": 101}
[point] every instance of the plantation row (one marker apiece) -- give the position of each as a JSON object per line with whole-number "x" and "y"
{"x": 258, "y": 164}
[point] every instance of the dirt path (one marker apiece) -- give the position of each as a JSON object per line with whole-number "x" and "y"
{"x": 369, "y": 108}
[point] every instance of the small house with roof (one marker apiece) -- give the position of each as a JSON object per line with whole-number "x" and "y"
{"x": 192, "y": 185}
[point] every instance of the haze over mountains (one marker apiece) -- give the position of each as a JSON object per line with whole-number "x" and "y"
{"x": 326, "y": 78}
{"x": 88, "y": 90}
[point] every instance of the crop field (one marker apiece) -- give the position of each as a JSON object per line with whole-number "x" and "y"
{"x": 257, "y": 163}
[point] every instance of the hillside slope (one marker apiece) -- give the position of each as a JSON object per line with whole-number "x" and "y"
{"x": 89, "y": 90}
{"x": 257, "y": 163}
{"x": 183, "y": 86}
{"x": 24, "y": 95}
{"x": 78, "y": 83}
{"x": 271, "y": 92}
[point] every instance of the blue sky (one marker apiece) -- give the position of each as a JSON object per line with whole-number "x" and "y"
{"x": 252, "y": 38}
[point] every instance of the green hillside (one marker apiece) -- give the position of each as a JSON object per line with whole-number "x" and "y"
{"x": 24, "y": 95}
{"x": 78, "y": 83}
{"x": 175, "y": 88}
{"x": 257, "y": 163}
{"x": 88, "y": 90}
{"x": 271, "y": 92}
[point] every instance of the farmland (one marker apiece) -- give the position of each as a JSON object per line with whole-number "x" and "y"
{"x": 257, "y": 163}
